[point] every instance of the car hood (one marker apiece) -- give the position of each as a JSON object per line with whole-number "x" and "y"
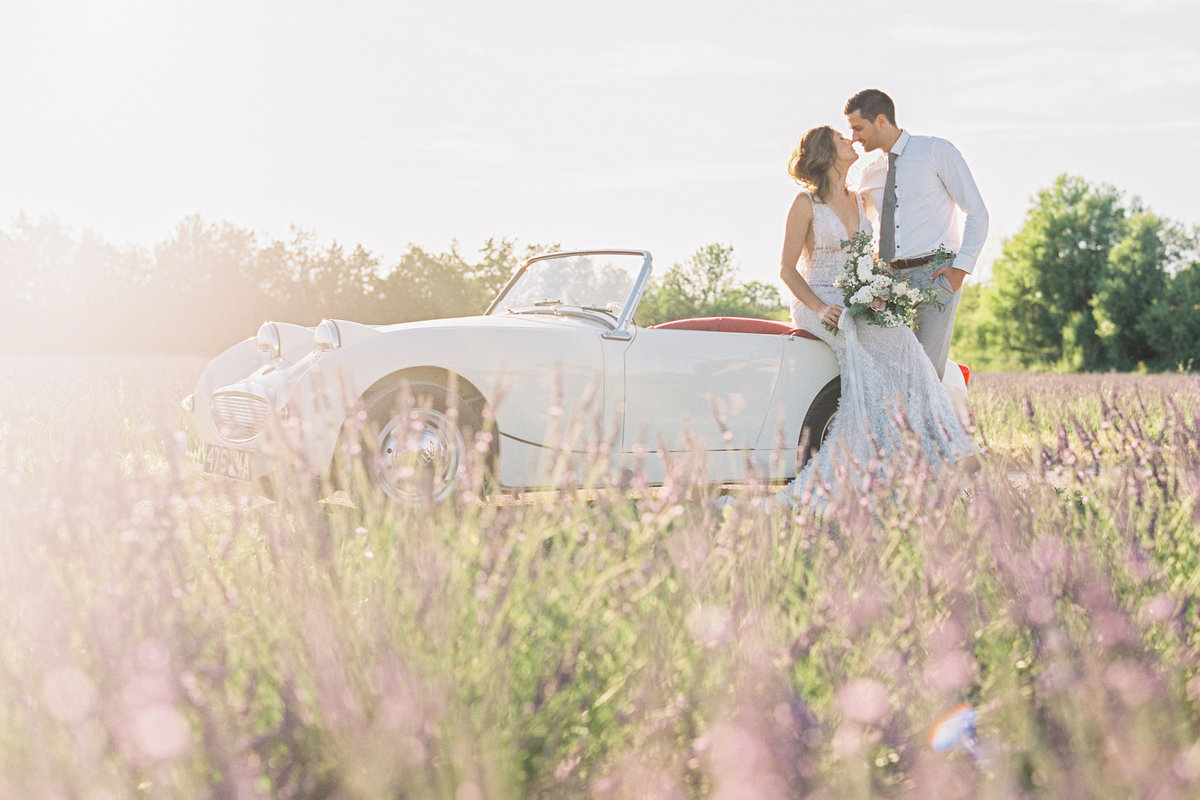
{"x": 351, "y": 332}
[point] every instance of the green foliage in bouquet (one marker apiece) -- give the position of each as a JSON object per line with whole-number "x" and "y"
{"x": 876, "y": 291}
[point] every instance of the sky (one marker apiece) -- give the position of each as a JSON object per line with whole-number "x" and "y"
{"x": 654, "y": 125}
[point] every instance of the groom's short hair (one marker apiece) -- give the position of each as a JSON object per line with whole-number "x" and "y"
{"x": 870, "y": 103}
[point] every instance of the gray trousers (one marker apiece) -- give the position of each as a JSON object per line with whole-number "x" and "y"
{"x": 935, "y": 326}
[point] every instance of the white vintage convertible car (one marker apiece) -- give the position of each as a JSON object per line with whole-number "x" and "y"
{"x": 556, "y": 365}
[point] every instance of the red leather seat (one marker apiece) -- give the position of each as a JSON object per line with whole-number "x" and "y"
{"x": 734, "y": 325}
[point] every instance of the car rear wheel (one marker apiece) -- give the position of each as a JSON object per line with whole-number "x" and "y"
{"x": 417, "y": 443}
{"x": 818, "y": 421}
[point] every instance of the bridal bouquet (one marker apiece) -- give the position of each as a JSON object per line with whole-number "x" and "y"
{"x": 872, "y": 289}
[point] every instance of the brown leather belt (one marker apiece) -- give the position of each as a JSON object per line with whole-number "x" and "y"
{"x": 909, "y": 263}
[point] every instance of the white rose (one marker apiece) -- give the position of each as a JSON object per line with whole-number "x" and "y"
{"x": 865, "y": 268}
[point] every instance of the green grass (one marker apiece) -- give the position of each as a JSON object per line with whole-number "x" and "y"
{"x": 164, "y": 636}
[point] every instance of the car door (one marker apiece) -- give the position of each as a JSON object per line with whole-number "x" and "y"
{"x": 685, "y": 388}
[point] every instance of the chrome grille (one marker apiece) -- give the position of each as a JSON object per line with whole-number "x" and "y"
{"x": 239, "y": 417}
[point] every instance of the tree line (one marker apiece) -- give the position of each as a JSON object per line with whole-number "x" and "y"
{"x": 210, "y": 284}
{"x": 1093, "y": 281}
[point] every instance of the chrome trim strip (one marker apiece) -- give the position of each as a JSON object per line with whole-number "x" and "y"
{"x": 540, "y": 445}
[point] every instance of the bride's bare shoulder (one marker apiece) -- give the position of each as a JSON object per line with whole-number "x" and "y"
{"x": 802, "y": 204}
{"x": 800, "y": 218}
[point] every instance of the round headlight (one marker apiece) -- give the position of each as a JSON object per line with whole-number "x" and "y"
{"x": 267, "y": 340}
{"x": 326, "y": 337}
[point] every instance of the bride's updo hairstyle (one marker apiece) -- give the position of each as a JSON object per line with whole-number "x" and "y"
{"x": 812, "y": 158}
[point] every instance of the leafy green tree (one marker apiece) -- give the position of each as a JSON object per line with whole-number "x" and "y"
{"x": 980, "y": 338}
{"x": 1090, "y": 282}
{"x": 705, "y": 285}
{"x": 1174, "y": 330}
{"x": 206, "y": 290}
{"x": 758, "y": 299}
{"x": 306, "y": 282}
{"x": 498, "y": 260}
{"x": 62, "y": 290}
{"x": 425, "y": 285}
{"x": 1048, "y": 273}
{"x": 1136, "y": 276}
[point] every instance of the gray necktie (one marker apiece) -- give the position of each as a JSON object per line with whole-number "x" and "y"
{"x": 887, "y": 214}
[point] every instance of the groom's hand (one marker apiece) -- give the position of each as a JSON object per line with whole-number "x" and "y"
{"x": 955, "y": 276}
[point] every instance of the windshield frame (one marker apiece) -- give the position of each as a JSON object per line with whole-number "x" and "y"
{"x": 620, "y": 327}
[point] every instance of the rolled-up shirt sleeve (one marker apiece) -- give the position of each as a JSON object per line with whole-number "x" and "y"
{"x": 960, "y": 185}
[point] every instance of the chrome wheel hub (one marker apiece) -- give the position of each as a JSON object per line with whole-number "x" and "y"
{"x": 419, "y": 456}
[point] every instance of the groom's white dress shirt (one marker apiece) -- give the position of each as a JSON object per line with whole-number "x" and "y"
{"x": 933, "y": 184}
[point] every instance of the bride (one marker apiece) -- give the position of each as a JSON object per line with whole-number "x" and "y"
{"x": 891, "y": 394}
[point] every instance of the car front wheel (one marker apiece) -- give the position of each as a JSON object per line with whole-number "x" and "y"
{"x": 417, "y": 442}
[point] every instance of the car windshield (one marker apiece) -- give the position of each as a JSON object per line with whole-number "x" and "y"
{"x": 593, "y": 281}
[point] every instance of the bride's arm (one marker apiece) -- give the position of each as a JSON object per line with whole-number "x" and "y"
{"x": 795, "y": 239}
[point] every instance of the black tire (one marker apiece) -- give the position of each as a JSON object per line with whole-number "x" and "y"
{"x": 415, "y": 445}
{"x": 818, "y": 421}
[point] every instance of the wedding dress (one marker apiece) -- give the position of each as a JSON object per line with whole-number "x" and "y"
{"x": 892, "y": 401}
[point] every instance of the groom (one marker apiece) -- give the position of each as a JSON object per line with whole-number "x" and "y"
{"x": 915, "y": 194}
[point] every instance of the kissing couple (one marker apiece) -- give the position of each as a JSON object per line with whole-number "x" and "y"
{"x": 910, "y": 202}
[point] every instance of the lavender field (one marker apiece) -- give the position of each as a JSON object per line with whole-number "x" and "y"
{"x": 164, "y": 636}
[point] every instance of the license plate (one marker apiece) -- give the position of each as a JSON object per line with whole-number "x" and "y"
{"x": 227, "y": 462}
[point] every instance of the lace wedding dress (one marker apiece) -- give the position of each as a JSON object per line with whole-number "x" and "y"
{"x": 891, "y": 395}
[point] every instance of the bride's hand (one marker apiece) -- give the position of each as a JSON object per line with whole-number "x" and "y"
{"x": 830, "y": 314}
